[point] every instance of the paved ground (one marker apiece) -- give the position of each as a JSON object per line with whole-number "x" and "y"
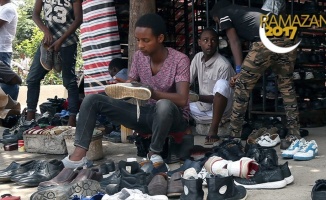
{"x": 305, "y": 172}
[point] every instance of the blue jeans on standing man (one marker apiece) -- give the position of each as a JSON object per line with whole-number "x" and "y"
{"x": 159, "y": 119}
{"x": 37, "y": 73}
{"x": 11, "y": 90}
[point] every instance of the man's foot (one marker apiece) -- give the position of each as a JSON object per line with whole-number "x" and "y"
{"x": 211, "y": 139}
{"x": 46, "y": 57}
{"x": 84, "y": 162}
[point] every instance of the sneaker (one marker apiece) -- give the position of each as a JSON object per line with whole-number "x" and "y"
{"x": 293, "y": 148}
{"x": 244, "y": 168}
{"x": 57, "y": 67}
{"x": 296, "y": 76}
{"x": 319, "y": 190}
{"x": 309, "y": 75}
{"x": 308, "y": 151}
{"x": 285, "y": 143}
{"x": 84, "y": 162}
{"x": 216, "y": 165}
{"x": 287, "y": 175}
{"x": 127, "y": 90}
{"x": 190, "y": 174}
{"x": 133, "y": 194}
{"x": 263, "y": 179}
{"x": 268, "y": 140}
{"x": 158, "y": 185}
{"x": 46, "y": 57}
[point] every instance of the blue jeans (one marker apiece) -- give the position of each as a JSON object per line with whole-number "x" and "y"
{"x": 37, "y": 73}
{"x": 11, "y": 90}
{"x": 159, "y": 119}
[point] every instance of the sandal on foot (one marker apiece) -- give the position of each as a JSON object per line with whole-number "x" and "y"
{"x": 211, "y": 139}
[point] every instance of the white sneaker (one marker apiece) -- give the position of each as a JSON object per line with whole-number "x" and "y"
{"x": 268, "y": 140}
{"x": 293, "y": 148}
{"x": 127, "y": 90}
{"x": 203, "y": 174}
{"x": 243, "y": 168}
{"x": 308, "y": 151}
{"x": 309, "y": 75}
{"x": 296, "y": 76}
{"x": 133, "y": 194}
{"x": 215, "y": 165}
{"x": 84, "y": 162}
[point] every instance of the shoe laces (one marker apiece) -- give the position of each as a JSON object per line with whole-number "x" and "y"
{"x": 304, "y": 147}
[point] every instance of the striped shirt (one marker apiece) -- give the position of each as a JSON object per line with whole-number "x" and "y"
{"x": 58, "y": 16}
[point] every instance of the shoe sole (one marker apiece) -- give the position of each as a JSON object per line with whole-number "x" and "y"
{"x": 44, "y": 65}
{"x": 118, "y": 91}
{"x": 175, "y": 194}
{"x": 268, "y": 185}
{"x": 289, "y": 180}
{"x": 288, "y": 156}
{"x": 85, "y": 188}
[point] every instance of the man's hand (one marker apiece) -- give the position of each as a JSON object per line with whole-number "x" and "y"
{"x": 56, "y": 45}
{"x": 233, "y": 79}
{"x": 48, "y": 38}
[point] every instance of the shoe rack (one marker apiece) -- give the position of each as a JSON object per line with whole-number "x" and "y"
{"x": 309, "y": 73}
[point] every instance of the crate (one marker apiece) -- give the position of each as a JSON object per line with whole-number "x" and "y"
{"x": 95, "y": 150}
{"x": 49, "y": 144}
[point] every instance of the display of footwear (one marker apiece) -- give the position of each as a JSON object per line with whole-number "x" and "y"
{"x": 268, "y": 140}
{"x": 127, "y": 90}
{"x": 263, "y": 179}
{"x": 192, "y": 186}
{"x": 293, "y": 148}
{"x": 318, "y": 191}
{"x": 307, "y": 151}
{"x": 15, "y": 169}
{"x": 175, "y": 187}
{"x": 44, "y": 171}
{"x": 85, "y": 187}
{"x": 224, "y": 188}
{"x": 244, "y": 168}
{"x": 57, "y": 62}
{"x": 158, "y": 185}
{"x": 46, "y": 57}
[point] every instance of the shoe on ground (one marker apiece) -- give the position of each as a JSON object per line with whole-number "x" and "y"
{"x": 158, "y": 185}
{"x": 285, "y": 143}
{"x": 64, "y": 177}
{"x": 216, "y": 165}
{"x": 319, "y": 190}
{"x": 43, "y": 171}
{"x": 268, "y": 140}
{"x": 203, "y": 175}
{"x": 133, "y": 194}
{"x": 175, "y": 187}
{"x": 15, "y": 169}
{"x": 293, "y": 148}
{"x": 287, "y": 175}
{"x": 85, "y": 187}
{"x": 57, "y": 67}
{"x": 263, "y": 179}
{"x": 307, "y": 151}
{"x": 243, "y": 168}
{"x": 190, "y": 174}
{"x": 127, "y": 90}
{"x": 84, "y": 162}
{"x": 47, "y": 57}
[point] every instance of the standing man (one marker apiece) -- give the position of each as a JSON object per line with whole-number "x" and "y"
{"x": 243, "y": 22}
{"x": 8, "y": 24}
{"x": 214, "y": 72}
{"x": 58, "y": 50}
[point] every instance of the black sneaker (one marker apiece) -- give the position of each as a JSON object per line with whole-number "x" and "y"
{"x": 263, "y": 179}
{"x": 132, "y": 177}
{"x": 319, "y": 190}
{"x": 288, "y": 177}
{"x": 230, "y": 149}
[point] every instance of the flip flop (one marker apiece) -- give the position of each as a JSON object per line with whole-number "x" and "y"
{"x": 211, "y": 139}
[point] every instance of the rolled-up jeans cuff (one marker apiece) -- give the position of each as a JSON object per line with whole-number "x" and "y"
{"x": 154, "y": 151}
{"x": 78, "y": 145}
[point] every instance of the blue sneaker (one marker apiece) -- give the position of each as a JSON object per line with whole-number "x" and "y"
{"x": 293, "y": 148}
{"x": 307, "y": 152}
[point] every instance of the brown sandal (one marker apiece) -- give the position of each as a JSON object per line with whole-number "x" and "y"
{"x": 211, "y": 139}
